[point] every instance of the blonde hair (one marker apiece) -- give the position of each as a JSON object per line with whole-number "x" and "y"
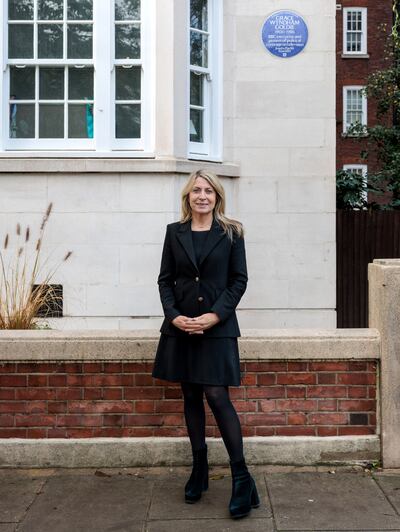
{"x": 229, "y": 226}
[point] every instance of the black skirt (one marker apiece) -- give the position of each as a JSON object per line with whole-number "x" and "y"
{"x": 198, "y": 359}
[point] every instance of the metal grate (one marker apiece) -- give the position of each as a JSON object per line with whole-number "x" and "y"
{"x": 53, "y": 301}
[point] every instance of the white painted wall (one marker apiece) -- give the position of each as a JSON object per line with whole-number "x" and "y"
{"x": 279, "y": 125}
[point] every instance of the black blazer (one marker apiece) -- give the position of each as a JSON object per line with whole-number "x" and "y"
{"x": 215, "y": 285}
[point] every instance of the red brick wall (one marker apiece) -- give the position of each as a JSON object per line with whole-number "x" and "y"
{"x": 355, "y": 72}
{"x": 112, "y": 399}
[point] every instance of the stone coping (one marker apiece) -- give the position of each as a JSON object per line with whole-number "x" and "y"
{"x": 157, "y": 451}
{"x": 394, "y": 263}
{"x": 255, "y": 344}
{"x": 113, "y": 165}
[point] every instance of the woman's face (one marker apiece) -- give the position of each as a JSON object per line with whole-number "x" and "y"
{"x": 202, "y": 197}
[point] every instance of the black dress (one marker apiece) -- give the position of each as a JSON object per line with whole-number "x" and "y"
{"x": 195, "y": 358}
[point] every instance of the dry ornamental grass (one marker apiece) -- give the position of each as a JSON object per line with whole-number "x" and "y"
{"x": 21, "y": 293}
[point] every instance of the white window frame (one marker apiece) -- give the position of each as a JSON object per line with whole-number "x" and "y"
{"x": 147, "y": 87}
{"x": 364, "y": 172}
{"x": 364, "y": 119}
{"x": 364, "y": 30}
{"x": 211, "y": 148}
{"x": 104, "y": 141}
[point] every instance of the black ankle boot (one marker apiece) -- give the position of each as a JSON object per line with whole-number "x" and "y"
{"x": 244, "y": 491}
{"x": 198, "y": 481}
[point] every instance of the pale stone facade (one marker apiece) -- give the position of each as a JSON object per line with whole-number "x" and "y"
{"x": 279, "y": 168}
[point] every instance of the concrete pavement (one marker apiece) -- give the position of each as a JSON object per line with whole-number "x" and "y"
{"x": 151, "y": 500}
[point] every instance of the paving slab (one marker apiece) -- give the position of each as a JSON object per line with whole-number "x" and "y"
{"x": 168, "y": 499}
{"x": 152, "y": 500}
{"x": 16, "y": 494}
{"x": 391, "y": 487}
{"x": 89, "y": 504}
{"x": 212, "y": 525}
{"x": 386, "y": 472}
{"x": 12, "y": 473}
{"x": 320, "y": 501}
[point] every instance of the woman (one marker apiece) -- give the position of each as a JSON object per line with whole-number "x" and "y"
{"x": 202, "y": 278}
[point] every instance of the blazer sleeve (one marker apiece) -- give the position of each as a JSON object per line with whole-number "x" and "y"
{"x": 166, "y": 279}
{"x": 229, "y": 299}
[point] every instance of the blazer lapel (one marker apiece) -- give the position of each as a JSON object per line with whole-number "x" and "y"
{"x": 185, "y": 238}
{"x": 214, "y": 236}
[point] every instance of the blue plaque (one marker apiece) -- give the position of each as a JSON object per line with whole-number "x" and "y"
{"x": 285, "y": 34}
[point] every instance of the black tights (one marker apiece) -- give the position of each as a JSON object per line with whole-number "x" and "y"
{"x": 224, "y": 412}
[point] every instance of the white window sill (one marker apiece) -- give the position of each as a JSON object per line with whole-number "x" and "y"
{"x": 50, "y": 162}
{"x": 353, "y": 136}
{"x": 355, "y": 56}
{"x": 201, "y": 157}
{"x": 74, "y": 154}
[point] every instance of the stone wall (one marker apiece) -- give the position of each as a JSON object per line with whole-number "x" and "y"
{"x": 279, "y": 145}
{"x": 283, "y": 135}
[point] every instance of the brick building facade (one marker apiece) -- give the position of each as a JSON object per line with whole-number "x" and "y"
{"x": 360, "y": 51}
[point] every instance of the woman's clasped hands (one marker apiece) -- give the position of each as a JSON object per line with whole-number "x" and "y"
{"x": 196, "y": 325}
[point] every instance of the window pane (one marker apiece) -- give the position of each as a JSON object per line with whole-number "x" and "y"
{"x": 127, "y": 9}
{"x": 80, "y": 83}
{"x": 196, "y": 125}
{"x": 349, "y": 20}
{"x": 22, "y": 121}
{"x": 349, "y": 42}
{"x": 196, "y": 88}
{"x": 80, "y": 41}
{"x": 358, "y": 171}
{"x": 198, "y": 14}
{"x": 198, "y": 49}
{"x": 20, "y": 9}
{"x": 127, "y": 121}
{"x": 80, "y": 121}
{"x": 22, "y": 83}
{"x": 20, "y": 41}
{"x": 51, "y": 121}
{"x": 128, "y": 83}
{"x": 127, "y": 41}
{"x": 51, "y": 83}
{"x": 50, "y": 9}
{"x": 50, "y": 37}
{"x": 354, "y": 110}
{"x": 80, "y": 10}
